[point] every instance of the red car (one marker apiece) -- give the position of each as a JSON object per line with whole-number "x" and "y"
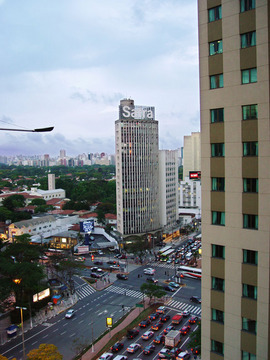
{"x": 185, "y": 329}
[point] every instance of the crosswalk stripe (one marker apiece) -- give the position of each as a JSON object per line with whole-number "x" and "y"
{"x": 122, "y": 291}
{"x": 85, "y": 291}
{"x": 184, "y": 307}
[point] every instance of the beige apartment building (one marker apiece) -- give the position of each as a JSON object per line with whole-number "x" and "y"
{"x": 191, "y": 153}
{"x": 234, "y": 96}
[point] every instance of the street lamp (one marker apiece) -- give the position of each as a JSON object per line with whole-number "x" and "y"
{"x": 21, "y": 309}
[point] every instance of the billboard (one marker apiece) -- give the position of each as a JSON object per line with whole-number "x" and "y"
{"x": 41, "y": 295}
{"x": 87, "y": 226}
{"x": 194, "y": 175}
{"x": 83, "y": 249}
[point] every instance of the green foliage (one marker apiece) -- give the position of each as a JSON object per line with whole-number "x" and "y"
{"x": 195, "y": 337}
{"x": 137, "y": 246}
{"x": 45, "y": 352}
{"x": 180, "y": 172}
{"x": 38, "y": 202}
{"x": 14, "y": 201}
{"x": 152, "y": 290}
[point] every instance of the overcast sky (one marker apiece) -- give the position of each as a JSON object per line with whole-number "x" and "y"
{"x": 68, "y": 63}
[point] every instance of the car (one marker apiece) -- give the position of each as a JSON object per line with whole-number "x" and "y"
{"x": 157, "y": 326}
{"x": 106, "y": 356}
{"x": 153, "y": 316}
{"x": 120, "y": 357}
{"x": 114, "y": 267}
{"x": 185, "y": 313}
{"x": 161, "y": 310}
{"x": 195, "y": 299}
{"x": 95, "y": 275}
{"x": 144, "y": 323}
{"x": 149, "y": 271}
{"x": 174, "y": 284}
{"x": 196, "y": 350}
{"x": 184, "y": 355}
{"x": 132, "y": 333}
{"x": 174, "y": 352}
{"x": 169, "y": 288}
{"x": 122, "y": 276}
{"x": 184, "y": 330}
{"x": 165, "y": 318}
{"x": 94, "y": 268}
{"x": 133, "y": 348}
{"x": 100, "y": 252}
{"x": 151, "y": 279}
{"x": 147, "y": 335}
{"x": 177, "y": 261}
{"x": 149, "y": 349}
{"x": 117, "y": 346}
{"x": 193, "y": 319}
{"x": 160, "y": 339}
{"x": 70, "y": 313}
{"x": 98, "y": 262}
{"x": 168, "y": 329}
{"x": 169, "y": 261}
{"x": 112, "y": 262}
{"x": 164, "y": 353}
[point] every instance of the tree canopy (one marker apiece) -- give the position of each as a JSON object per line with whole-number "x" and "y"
{"x": 45, "y": 352}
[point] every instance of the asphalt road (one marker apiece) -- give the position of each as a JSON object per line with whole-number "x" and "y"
{"x": 92, "y": 309}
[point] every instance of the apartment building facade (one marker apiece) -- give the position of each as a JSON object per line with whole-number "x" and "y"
{"x": 234, "y": 97}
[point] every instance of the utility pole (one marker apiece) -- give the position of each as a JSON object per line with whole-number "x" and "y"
{"x": 21, "y": 310}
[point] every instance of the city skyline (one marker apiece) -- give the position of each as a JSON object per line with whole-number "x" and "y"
{"x": 73, "y": 73}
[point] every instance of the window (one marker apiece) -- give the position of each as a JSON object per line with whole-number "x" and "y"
{"x": 248, "y": 356}
{"x": 215, "y": 47}
{"x": 218, "y": 218}
{"x": 250, "y": 185}
{"x": 217, "y": 347}
{"x": 214, "y": 13}
{"x": 216, "y": 81}
{"x": 217, "y": 149}
{"x": 250, "y": 221}
{"x": 246, "y": 5}
{"x": 218, "y": 283}
{"x": 218, "y": 184}
{"x": 250, "y": 112}
{"x": 250, "y": 291}
{"x": 250, "y": 257}
{"x": 250, "y": 148}
{"x": 218, "y": 315}
{"x": 217, "y": 115}
{"x": 218, "y": 251}
{"x": 249, "y": 325}
{"x": 249, "y": 76}
{"x": 248, "y": 39}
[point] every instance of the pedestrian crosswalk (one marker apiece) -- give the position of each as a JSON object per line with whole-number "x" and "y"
{"x": 164, "y": 265}
{"x": 124, "y": 291}
{"x": 84, "y": 290}
{"x": 184, "y": 307}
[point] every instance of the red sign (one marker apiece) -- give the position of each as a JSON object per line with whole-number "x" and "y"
{"x": 194, "y": 175}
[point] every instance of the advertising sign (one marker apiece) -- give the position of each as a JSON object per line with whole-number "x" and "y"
{"x": 41, "y": 295}
{"x": 194, "y": 175}
{"x": 87, "y": 226}
{"x": 109, "y": 322}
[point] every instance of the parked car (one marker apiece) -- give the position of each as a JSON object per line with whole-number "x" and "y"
{"x": 174, "y": 284}
{"x": 147, "y": 335}
{"x": 131, "y": 334}
{"x": 122, "y": 276}
{"x": 195, "y": 299}
{"x": 106, "y": 356}
{"x": 70, "y": 313}
{"x": 133, "y": 348}
{"x": 169, "y": 288}
{"x": 149, "y": 349}
{"x": 117, "y": 346}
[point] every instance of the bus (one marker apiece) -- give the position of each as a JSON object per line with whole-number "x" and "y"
{"x": 191, "y": 272}
{"x": 166, "y": 254}
{"x": 165, "y": 248}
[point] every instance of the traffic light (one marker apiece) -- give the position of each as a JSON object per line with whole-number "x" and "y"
{"x": 92, "y": 257}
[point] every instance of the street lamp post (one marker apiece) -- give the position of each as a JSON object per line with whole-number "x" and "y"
{"x": 21, "y": 310}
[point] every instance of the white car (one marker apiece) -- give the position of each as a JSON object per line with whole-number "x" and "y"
{"x": 70, "y": 313}
{"x": 164, "y": 353}
{"x": 149, "y": 271}
{"x": 133, "y": 348}
{"x": 106, "y": 356}
{"x": 120, "y": 357}
{"x": 183, "y": 356}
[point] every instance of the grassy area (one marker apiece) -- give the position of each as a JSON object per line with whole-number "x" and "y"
{"x": 117, "y": 337}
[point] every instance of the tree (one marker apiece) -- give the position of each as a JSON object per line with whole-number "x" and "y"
{"x": 45, "y": 352}
{"x": 14, "y": 201}
{"x": 138, "y": 247}
{"x": 195, "y": 337}
{"x": 152, "y": 291}
{"x": 5, "y": 358}
{"x": 38, "y": 202}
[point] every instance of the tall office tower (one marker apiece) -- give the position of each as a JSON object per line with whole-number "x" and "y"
{"x": 51, "y": 181}
{"x": 168, "y": 187}
{"x": 234, "y": 95}
{"x": 192, "y": 153}
{"x": 62, "y": 154}
{"x": 136, "y": 138}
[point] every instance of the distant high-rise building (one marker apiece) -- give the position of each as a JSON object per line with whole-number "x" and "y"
{"x": 136, "y": 138}
{"x": 62, "y": 154}
{"x": 51, "y": 181}
{"x": 192, "y": 153}
{"x": 168, "y": 187}
{"x": 235, "y": 134}
{"x": 46, "y": 159}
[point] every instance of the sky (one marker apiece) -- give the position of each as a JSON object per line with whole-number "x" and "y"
{"x": 68, "y": 63}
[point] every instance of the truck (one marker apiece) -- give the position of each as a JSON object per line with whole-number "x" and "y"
{"x": 177, "y": 319}
{"x": 172, "y": 339}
